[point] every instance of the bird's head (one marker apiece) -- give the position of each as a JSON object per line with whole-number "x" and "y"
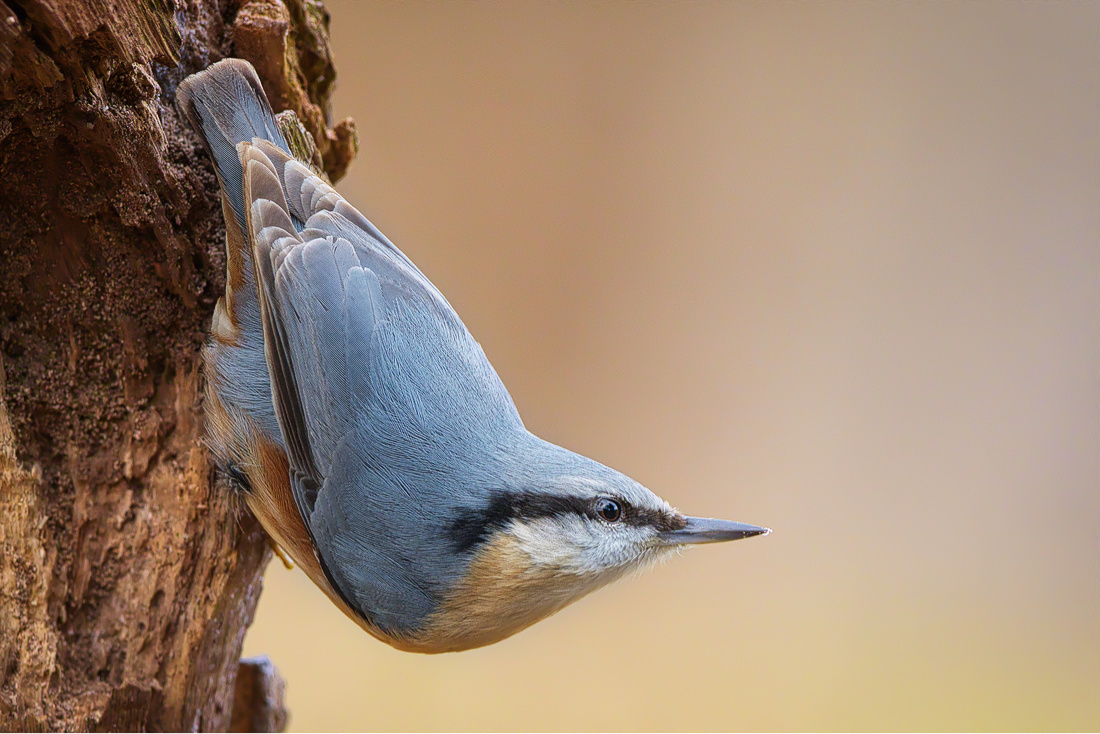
{"x": 565, "y": 530}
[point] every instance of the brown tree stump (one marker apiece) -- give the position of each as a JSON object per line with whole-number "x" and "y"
{"x": 128, "y": 572}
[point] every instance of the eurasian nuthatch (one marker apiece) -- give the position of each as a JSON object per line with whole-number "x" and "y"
{"x": 368, "y": 431}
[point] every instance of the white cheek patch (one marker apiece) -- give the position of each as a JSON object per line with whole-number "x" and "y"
{"x": 554, "y": 543}
{"x": 572, "y": 544}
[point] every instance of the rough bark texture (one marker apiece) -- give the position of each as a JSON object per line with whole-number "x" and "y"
{"x": 258, "y": 703}
{"x": 128, "y": 572}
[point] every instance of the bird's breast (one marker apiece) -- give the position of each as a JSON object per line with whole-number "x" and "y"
{"x": 502, "y": 593}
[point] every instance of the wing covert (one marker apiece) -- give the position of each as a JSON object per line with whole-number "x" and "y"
{"x": 318, "y": 304}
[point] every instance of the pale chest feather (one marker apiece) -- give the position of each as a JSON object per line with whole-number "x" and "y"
{"x": 502, "y": 594}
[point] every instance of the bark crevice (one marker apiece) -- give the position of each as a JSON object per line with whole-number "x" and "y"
{"x": 128, "y": 574}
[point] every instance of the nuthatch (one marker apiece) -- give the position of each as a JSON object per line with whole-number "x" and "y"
{"x": 366, "y": 428}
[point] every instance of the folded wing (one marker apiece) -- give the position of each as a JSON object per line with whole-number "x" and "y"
{"x": 372, "y": 378}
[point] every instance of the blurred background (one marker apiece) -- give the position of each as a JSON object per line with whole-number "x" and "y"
{"x": 829, "y": 268}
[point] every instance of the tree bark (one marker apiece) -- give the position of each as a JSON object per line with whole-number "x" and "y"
{"x": 128, "y": 571}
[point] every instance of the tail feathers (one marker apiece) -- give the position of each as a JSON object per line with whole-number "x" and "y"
{"x": 226, "y": 105}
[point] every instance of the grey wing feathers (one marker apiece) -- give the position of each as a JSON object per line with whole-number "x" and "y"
{"x": 271, "y": 234}
{"x": 324, "y": 212}
{"x": 304, "y": 284}
{"x": 320, "y": 310}
{"x": 318, "y": 204}
{"x": 336, "y": 281}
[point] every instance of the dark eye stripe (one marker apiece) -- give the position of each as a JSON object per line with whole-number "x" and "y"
{"x": 471, "y": 528}
{"x": 662, "y": 521}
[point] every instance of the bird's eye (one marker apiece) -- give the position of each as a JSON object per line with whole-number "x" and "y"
{"x": 610, "y": 510}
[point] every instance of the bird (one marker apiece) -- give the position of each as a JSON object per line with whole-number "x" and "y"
{"x": 365, "y": 428}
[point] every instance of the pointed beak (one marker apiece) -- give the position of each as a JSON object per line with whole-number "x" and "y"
{"x": 704, "y": 530}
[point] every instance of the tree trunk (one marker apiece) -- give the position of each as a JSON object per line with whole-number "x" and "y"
{"x": 128, "y": 572}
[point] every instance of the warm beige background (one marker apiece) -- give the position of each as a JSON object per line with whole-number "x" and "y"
{"x": 831, "y": 268}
